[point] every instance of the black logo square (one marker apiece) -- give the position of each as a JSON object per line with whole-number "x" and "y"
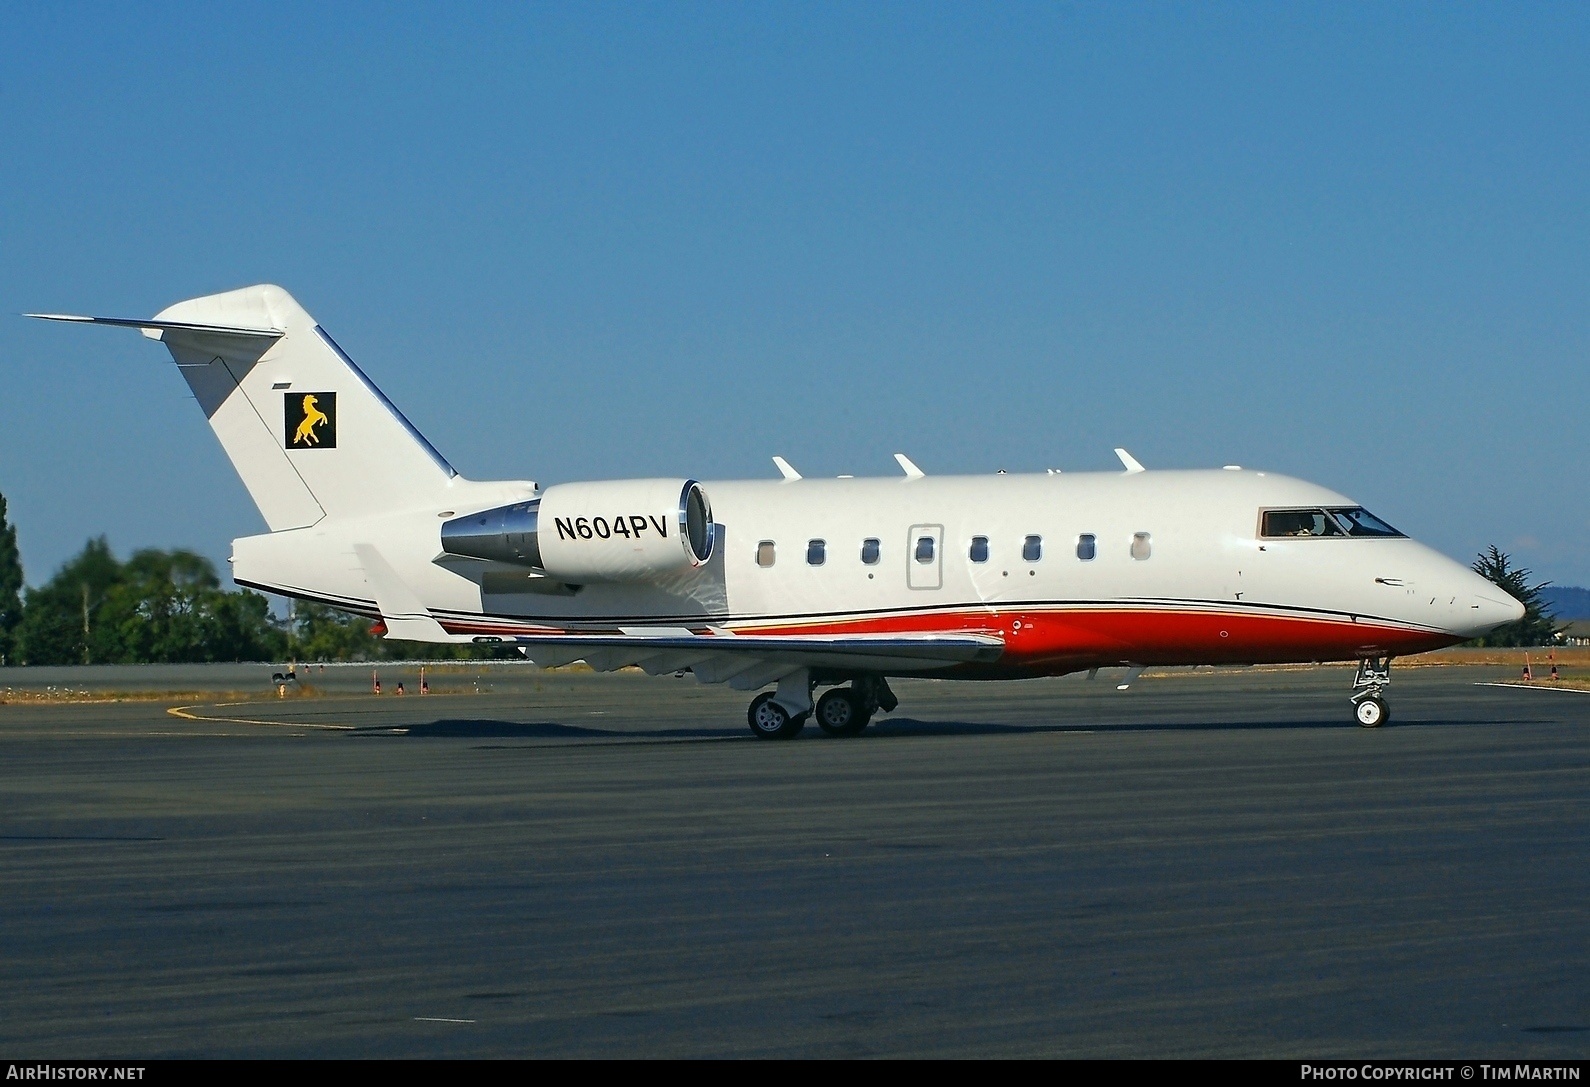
{"x": 311, "y": 420}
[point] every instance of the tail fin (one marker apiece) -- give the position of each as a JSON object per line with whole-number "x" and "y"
{"x": 308, "y": 432}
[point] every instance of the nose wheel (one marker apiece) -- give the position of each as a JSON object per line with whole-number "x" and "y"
{"x": 1371, "y": 712}
{"x": 1368, "y": 698}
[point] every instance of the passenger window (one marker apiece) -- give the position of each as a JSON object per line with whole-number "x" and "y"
{"x": 816, "y": 552}
{"x": 869, "y": 551}
{"x": 1032, "y": 548}
{"x": 924, "y": 549}
{"x": 979, "y": 549}
{"x": 1142, "y": 546}
{"x": 1087, "y": 546}
{"x": 764, "y": 553}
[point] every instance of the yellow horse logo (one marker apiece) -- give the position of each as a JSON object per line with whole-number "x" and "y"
{"x": 313, "y": 417}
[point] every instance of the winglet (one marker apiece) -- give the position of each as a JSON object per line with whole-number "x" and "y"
{"x": 911, "y": 470}
{"x": 1132, "y": 467}
{"x": 785, "y": 469}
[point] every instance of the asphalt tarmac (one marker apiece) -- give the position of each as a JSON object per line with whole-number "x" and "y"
{"x": 1209, "y": 864}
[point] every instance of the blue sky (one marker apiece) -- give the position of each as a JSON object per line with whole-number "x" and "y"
{"x": 1346, "y": 242}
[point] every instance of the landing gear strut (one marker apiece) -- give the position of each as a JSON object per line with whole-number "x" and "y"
{"x": 1369, "y": 704}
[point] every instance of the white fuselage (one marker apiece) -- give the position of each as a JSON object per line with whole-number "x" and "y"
{"x": 1179, "y": 573}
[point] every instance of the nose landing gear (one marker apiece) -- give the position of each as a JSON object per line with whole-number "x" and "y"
{"x": 1369, "y": 704}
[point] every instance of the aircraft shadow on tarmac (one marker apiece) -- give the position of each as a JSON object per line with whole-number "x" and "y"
{"x": 905, "y": 726}
{"x": 487, "y": 729}
{"x": 892, "y": 729}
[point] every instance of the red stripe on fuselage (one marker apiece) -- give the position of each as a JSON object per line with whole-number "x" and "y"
{"x": 1050, "y": 641}
{"x": 1065, "y": 639}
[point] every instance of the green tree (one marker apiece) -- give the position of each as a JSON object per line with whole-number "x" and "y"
{"x": 59, "y": 618}
{"x": 169, "y": 606}
{"x": 10, "y": 585}
{"x": 159, "y": 606}
{"x": 325, "y": 634}
{"x": 321, "y": 633}
{"x": 1539, "y": 625}
{"x": 245, "y": 630}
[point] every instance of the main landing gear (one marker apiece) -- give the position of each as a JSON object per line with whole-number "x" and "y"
{"x": 843, "y": 711}
{"x": 771, "y": 721}
{"x": 1369, "y": 703}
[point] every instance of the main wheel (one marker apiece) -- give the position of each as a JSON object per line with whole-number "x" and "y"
{"x": 840, "y": 713}
{"x": 1372, "y": 712}
{"x": 770, "y": 721}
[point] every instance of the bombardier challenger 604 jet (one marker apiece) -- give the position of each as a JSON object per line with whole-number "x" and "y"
{"x": 796, "y": 584}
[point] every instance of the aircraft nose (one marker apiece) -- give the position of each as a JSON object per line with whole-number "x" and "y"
{"x": 1489, "y": 607}
{"x": 1481, "y": 606}
{"x": 1494, "y": 608}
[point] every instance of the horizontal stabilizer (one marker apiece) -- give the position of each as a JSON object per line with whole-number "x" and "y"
{"x": 162, "y": 326}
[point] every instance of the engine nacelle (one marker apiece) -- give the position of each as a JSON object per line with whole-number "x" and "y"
{"x": 624, "y": 530}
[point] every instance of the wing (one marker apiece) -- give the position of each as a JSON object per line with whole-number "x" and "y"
{"x": 748, "y": 662}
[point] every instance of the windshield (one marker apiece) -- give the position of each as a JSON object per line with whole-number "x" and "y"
{"x": 1337, "y": 521}
{"x": 1300, "y": 523}
{"x": 1360, "y": 522}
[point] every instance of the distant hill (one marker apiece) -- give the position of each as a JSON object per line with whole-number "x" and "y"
{"x": 1567, "y": 601}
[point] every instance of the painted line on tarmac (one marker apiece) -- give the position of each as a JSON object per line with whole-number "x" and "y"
{"x": 439, "y": 1019}
{"x": 182, "y": 712}
{"x": 1534, "y": 687}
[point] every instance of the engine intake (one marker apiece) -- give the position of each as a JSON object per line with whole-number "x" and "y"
{"x": 624, "y": 530}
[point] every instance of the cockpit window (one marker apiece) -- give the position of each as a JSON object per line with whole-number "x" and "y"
{"x": 1340, "y": 521}
{"x": 1300, "y": 523}
{"x": 1360, "y": 522}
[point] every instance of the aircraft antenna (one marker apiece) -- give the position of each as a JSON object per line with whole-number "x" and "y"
{"x": 911, "y": 470}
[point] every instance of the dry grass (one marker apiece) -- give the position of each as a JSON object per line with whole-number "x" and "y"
{"x": 1577, "y": 656}
{"x": 69, "y": 696}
